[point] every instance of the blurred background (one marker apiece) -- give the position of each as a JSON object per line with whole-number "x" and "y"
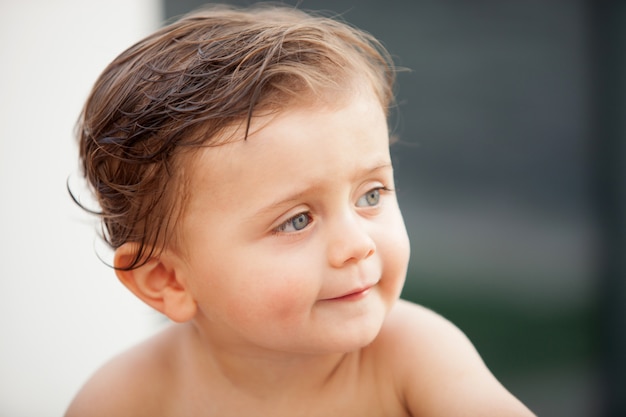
{"x": 510, "y": 173}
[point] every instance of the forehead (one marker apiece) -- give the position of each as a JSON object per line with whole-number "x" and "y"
{"x": 305, "y": 144}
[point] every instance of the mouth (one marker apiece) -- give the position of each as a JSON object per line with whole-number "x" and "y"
{"x": 353, "y": 295}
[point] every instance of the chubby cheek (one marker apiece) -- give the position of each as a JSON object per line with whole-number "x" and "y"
{"x": 287, "y": 294}
{"x": 395, "y": 252}
{"x": 268, "y": 289}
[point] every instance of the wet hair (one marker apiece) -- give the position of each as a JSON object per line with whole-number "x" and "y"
{"x": 185, "y": 85}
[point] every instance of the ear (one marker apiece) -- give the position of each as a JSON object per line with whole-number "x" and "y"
{"x": 157, "y": 283}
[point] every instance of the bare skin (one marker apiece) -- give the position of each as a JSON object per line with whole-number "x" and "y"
{"x": 286, "y": 287}
{"x": 435, "y": 371}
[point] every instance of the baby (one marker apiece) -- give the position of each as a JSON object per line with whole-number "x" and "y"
{"x": 241, "y": 161}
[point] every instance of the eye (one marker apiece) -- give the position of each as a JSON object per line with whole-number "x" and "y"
{"x": 369, "y": 199}
{"x": 294, "y": 224}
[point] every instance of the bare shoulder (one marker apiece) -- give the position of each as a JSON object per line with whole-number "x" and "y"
{"x": 130, "y": 384}
{"x": 437, "y": 369}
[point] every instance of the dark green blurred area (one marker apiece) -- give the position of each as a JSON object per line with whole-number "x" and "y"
{"x": 510, "y": 174}
{"x": 548, "y": 360}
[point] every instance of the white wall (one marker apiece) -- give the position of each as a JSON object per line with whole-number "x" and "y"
{"x": 62, "y": 312}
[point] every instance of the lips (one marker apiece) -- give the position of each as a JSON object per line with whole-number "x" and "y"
{"x": 353, "y": 295}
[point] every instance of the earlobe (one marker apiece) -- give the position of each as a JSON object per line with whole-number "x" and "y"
{"x": 157, "y": 283}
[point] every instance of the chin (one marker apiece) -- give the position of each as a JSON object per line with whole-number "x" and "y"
{"x": 355, "y": 336}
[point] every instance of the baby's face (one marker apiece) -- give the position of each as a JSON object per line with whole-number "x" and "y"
{"x": 293, "y": 238}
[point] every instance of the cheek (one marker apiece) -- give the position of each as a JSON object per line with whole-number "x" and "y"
{"x": 288, "y": 296}
{"x": 395, "y": 252}
{"x": 268, "y": 286}
{"x": 404, "y": 249}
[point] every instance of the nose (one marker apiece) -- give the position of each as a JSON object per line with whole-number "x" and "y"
{"x": 349, "y": 241}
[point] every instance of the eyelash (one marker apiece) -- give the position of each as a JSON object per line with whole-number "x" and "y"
{"x": 281, "y": 228}
{"x": 288, "y": 222}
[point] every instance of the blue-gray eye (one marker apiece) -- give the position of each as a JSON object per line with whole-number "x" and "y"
{"x": 296, "y": 223}
{"x": 300, "y": 221}
{"x": 369, "y": 199}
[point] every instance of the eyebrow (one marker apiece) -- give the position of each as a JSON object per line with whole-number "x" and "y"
{"x": 293, "y": 197}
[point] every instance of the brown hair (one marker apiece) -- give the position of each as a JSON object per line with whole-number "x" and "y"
{"x": 185, "y": 84}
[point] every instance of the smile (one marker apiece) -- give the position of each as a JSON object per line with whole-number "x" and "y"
{"x": 353, "y": 295}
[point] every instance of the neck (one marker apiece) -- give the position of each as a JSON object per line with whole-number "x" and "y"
{"x": 262, "y": 372}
